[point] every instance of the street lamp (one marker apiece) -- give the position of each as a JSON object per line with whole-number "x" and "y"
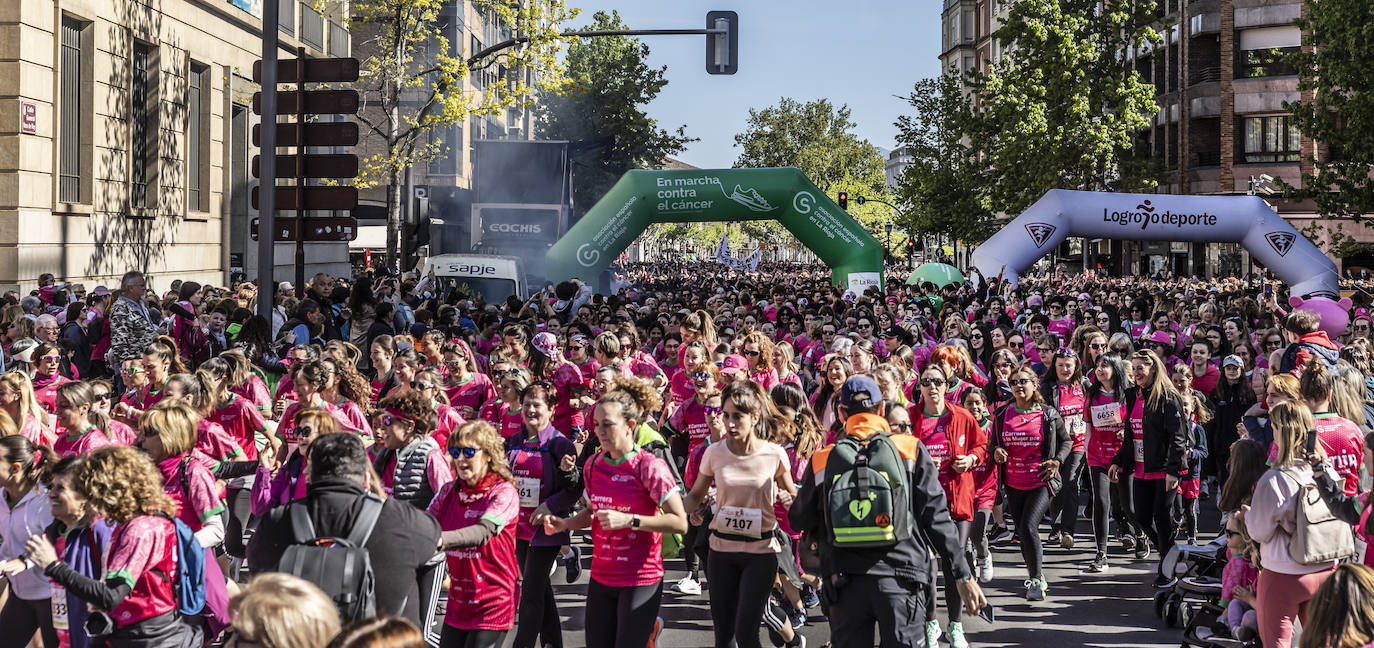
{"x": 887, "y": 245}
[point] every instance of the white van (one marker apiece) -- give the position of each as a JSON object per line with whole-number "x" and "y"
{"x": 493, "y": 277}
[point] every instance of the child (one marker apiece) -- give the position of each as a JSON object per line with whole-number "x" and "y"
{"x": 985, "y": 485}
{"x": 1196, "y": 413}
{"x": 1238, "y": 581}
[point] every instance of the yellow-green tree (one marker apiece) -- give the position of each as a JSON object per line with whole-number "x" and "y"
{"x": 412, "y": 76}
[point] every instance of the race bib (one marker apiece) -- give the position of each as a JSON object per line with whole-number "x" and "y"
{"x": 528, "y": 487}
{"x": 1106, "y": 415}
{"x": 1139, "y": 450}
{"x": 1075, "y": 425}
{"x": 60, "y": 621}
{"x": 738, "y": 520}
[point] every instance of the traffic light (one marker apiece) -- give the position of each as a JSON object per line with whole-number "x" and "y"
{"x": 722, "y": 43}
{"x": 910, "y": 246}
{"x": 844, "y": 200}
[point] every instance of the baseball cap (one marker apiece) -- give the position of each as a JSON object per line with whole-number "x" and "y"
{"x": 1161, "y": 337}
{"x": 100, "y": 291}
{"x": 1233, "y": 360}
{"x": 734, "y": 363}
{"x": 860, "y": 391}
{"x": 1035, "y": 300}
{"x": 894, "y": 331}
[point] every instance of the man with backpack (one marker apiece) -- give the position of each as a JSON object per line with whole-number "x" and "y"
{"x": 339, "y": 508}
{"x": 869, "y": 500}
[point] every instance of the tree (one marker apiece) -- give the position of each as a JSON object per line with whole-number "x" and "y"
{"x": 1334, "y": 67}
{"x": 817, "y": 138}
{"x": 1063, "y": 107}
{"x": 943, "y": 187}
{"x": 608, "y": 85}
{"x": 412, "y": 78}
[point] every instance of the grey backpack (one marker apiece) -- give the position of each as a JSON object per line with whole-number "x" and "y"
{"x": 341, "y": 567}
{"x": 1318, "y": 536}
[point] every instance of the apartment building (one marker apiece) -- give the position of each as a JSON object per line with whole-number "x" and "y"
{"x": 126, "y": 141}
{"x": 1221, "y": 84}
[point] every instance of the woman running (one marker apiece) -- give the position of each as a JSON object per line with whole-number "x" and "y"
{"x": 1030, "y": 439}
{"x": 631, "y": 499}
{"x": 411, "y": 464}
{"x": 749, "y": 474}
{"x": 289, "y": 481}
{"x": 1106, "y": 424}
{"x": 382, "y": 353}
{"x": 80, "y": 537}
{"x": 1065, "y": 390}
{"x": 477, "y": 514}
{"x": 81, "y": 427}
{"x": 466, "y": 389}
{"x": 547, "y": 364}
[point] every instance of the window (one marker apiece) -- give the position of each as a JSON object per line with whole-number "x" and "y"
{"x": 198, "y": 137}
{"x": 286, "y": 16}
{"x": 142, "y": 124}
{"x": 1271, "y": 139}
{"x": 448, "y": 138}
{"x": 69, "y": 130}
{"x": 1268, "y": 62}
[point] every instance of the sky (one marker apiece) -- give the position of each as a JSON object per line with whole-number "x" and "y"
{"x": 860, "y": 53}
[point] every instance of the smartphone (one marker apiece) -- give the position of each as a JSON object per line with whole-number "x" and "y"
{"x": 1268, "y": 291}
{"x": 986, "y": 613}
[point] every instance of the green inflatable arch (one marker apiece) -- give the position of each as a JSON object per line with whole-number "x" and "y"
{"x": 786, "y": 195}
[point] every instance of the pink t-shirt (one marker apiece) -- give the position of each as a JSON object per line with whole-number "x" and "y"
{"x": 477, "y": 389}
{"x": 483, "y": 579}
{"x": 1344, "y": 443}
{"x": 681, "y": 388}
{"x": 567, "y": 383}
{"x": 446, "y": 420}
{"x": 120, "y": 433}
{"x": 1072, "y": 405}
{"x": 255, "y": 390}
{"x": 142, "y": 552}
{"x": 286, "y": 429}
{"x": 197, "y": 495}
{"x": 934, "y": 437}
{"x": 242, "y": 421}
{"x": 639, "y": 485}
{"x": 1022, "y": 436}
{"x": 767, "y": 379}
{"x": 46, "y": 395}
{"x": 527, "y": 464}
{"x": 1061, "y": 327}
{"x": 83, "y": 441}
{"x": 690, "y": 417}
{"x": 1106, "y": 417}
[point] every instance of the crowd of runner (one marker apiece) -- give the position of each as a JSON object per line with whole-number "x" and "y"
{"x": 382, "y": 453}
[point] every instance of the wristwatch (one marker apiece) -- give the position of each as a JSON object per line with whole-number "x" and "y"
{"x": 634, "y": 521}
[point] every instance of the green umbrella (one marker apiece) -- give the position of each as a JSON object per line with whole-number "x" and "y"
{"x": 940, "y": 274}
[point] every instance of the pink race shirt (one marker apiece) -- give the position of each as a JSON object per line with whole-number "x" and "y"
{"x": 242, "y": 421}
{"x": 1106, "y": 417}
{"x": 1072, "y": 403}
{"x": 84, "y": 441}
{"x": 690, "y": 417}
{"x": 483, "y": 579}
{"x": 1344, "y": 443}
{"x": 1061, "y": 327}
{"x": 1022, "y": 436}
{"x": 639, "y": 485}
{"x": 933, "y": 435}
{"x": 477, "y": 389}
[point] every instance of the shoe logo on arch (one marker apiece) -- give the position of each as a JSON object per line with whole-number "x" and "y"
{"x": 750, "y": 198}
{"x": 1146, "y": 207}
{"x": 1040, "y": 233}
{"x": 1282, "y": 242}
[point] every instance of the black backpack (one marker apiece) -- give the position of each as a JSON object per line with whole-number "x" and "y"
{"x": 341, "y": 567}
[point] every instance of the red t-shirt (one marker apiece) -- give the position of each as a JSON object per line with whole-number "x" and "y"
{"x": 83, "y": 441}
{"x": 1106, "y": 417}
{"x": 483, "y": 579}
{"x": 1021, "y": 436}
{"x": 1072, "y": 403}
{"x": 242, "y": 421}
{"x": 639, "y": 485}
{"x": 1344, "y": 443}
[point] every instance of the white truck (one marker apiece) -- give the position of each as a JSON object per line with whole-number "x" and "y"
{"x": 493, "y": 277}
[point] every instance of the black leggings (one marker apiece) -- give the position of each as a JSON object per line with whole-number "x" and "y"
{"x": 1064, "y": 509}
{"x": 451, "y": 637}
{"x": 538, "y": 614}
{"x": 740, "y": 584}
{"x": 241, "y": 521}
{"x": 1152, "y": 512}
{"x": 978, "y": 532}
{"x": 21, "y": 619}
{"x": 621, "y": 617}
{"x": 1110, "y": 500}
{"x": 952, "y": 600}
{"x": 1027, "y": 507}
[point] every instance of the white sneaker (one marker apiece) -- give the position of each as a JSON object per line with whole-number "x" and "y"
{"x": 688, "y": 586}
{"x": 985, "y": 570}
{"x": 933, "y": 633}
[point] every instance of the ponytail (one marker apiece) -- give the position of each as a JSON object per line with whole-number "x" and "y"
{"x": 33, "y": 460}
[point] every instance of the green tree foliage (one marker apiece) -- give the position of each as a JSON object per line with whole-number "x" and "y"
{"x": 1063, "y": 107}
{"x": 1336, "y": 68}
{"x": 412, "y": 77}
{"x": 819, "y": 139}
{"x": 608, "y": 85}
{"x": 943, "y": 187}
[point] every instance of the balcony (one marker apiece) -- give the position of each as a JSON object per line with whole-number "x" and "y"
{"x": 1200, "y": 75}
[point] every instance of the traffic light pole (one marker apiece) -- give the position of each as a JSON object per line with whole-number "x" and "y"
{"x": 267, "y": 285}
{"x": 300, "y": 174}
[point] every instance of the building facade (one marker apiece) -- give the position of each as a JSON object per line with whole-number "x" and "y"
{"x": 127, "y": 137}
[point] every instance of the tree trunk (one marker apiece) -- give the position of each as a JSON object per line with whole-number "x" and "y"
{"x": 393, "y": 216}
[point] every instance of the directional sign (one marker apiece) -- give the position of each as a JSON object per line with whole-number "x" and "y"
{"x": 343, "y": 228}
{"x": 321, "y": 198}
{"x": 323, "y": 70}
{"x": 316, "y": 166}
{"x": 317, "y": 134}
{"x": 316, "y": 102}
{"x": 860, "y": 199}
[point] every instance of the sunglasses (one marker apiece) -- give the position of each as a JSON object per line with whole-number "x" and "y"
{"x": 576, "y": 347}
{"x": 827, "y": 332}
{"x": 54, "y": 358}
{"x": 1016, "y": 344}
{"x": 903, "y": 427}
{"x": 133, "y": 370}
{"x": 865, "y": 326}
{"x": 388, "y": 419}
{"x": 1273, "y": 343}
{"x": 928, "y": 382}
{"x": 1021, "y": 381}
{"x": 1097, "y": 346}
{"x": 1361, "y": 327}
{"x": 466, "y": 453}
{"x": 305, "y": 431}
{"x": 699, "y": 375}
{"x": 712, "y": 410}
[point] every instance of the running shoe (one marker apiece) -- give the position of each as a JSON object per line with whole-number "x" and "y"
{"x": 688, "y": 586}
{"x": 1142, "y": 548}
{"x": 572, "y": 564}
{"x": 798, "y": 618}
{"x": 998, "y": 534}
{"x": 956, "y": 635}
{"x": 1099, "y": 565}
{"x": 985, "y": 570}
{"x": 1127, "y": 541}
{"x": 932, "y": 633}
{"x": 1035, "y": 589}
{"x": 810, "y": 597}
{"x": 1066, "y": 540}
{"x": 658, "y": 629}
{"x": 1053, "y": 538}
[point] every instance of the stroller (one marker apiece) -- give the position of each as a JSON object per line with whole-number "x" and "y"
{"x": 1194, "y": 573}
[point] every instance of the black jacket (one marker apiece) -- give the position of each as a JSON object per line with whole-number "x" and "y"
{"x": 1164, "y": 436}
{"x": 403, "y": 540}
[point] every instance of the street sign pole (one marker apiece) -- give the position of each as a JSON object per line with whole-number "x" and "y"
{"x": 300, "y": 175}
{"x": 267, "y": 248}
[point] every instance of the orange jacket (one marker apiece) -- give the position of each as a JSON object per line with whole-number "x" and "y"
{"x": 965, "y": 438}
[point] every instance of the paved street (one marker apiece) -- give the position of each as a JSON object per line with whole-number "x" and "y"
{"x": 1090, "y": 610}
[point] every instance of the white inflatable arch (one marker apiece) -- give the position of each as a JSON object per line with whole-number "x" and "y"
{"x": 1247, "y": 220}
